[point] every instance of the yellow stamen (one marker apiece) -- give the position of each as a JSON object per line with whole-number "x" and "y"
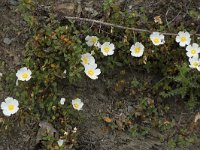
{"x": 183, "y": 39}
{"x": 11, "y": 107}
{"x": 76, "y": 106}
{"x": 156, "y": 40}
{"x": 85, "y": 60}
{"x": 195, "y": 64}
{"x": 24, "y": 75}
{"x": 94, "y": 40}
{"x": 193, "y": 51}
{"x": 91, "y": 72}
{"x": 137, "y": 50}
{"x": 106, "y": 49}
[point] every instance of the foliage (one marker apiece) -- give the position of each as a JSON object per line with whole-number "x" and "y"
{"x": 181, "y": 141}
{"x": 27, "y": 8}
{"x": 53, "y": 53}
{"x": 107, "y": 4}
{"x": 184, "y": 84}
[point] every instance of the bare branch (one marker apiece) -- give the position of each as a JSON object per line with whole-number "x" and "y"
{"x": 120, "y": 26}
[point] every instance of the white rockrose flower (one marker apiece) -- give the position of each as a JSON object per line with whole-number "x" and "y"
{"x": 137, "y": 50}
{"x": 183, "y": 38}
{"x": 10, "y": 106}
{"x": 91, "y": 40}
{"x": 157, "y": 38}
{"x": 194, "y": 62}
{"x": 24, "y": 74}
{"x": 192, "y": 50}
{"x": 107, "y": 48}
{"x": 92, "y": 71}
{"x": 77, "y": 104}
{"x": 87, "y": 59}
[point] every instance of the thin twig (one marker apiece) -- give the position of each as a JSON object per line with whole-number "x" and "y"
{"x": 154, "y": 4}
{"x": 166, "y": 16}
{"x": 174, "y": 18}
{"x": 120, "y": 26}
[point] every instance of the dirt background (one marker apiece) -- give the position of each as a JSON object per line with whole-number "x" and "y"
{"x": 99, "y": 96}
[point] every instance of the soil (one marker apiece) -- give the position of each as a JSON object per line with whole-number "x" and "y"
{"x": 100, "y": 97}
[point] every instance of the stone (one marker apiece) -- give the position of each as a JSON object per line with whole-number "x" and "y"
{"x": 130, "y": 109}
{"x": 7, "y": 41}
{"x": 14, "y": 2}
{"x": 68, "y": 9}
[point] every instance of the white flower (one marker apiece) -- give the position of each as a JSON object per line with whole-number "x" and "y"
{"x": 107, "y": 48}
{"x": 92, "y": 71}
{"x": 64, "y": 73}
{"x": 137, "y": 50}
{"x": 91, "y": 40}
{"x": 77, "y": 104}
{"x": 183, "y": 38}
{"x": 194, "y": 62}
{"x": 98, "y": 45}
{"x": 62, "y": 101}
{"x": 10, "y": 106}
{"x": 193, "y": 50}
{"x": 24, "y": 74}
{"x": 157, "y": 38}
{"x": 66, "y": 133}
{"x": 1, "y": 74}
{"x": 87, "y": 59}
{"x": 74, "y": 130}
{"x": 60, "y": 142}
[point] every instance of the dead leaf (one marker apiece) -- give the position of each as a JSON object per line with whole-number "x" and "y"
{"x": 120, "y": 125}
{"x": 46, "y": 129}
{"x": 122, "y": 121}
{"x": 166, "y": 122}
{"x": 119, "y": 86}
{"x": 66, "y": 8}
{"x": 107, "y": 119}
{"x": 158, "y": 20}
{"x": 125, "y": 39}
{"x": 145, "y": 60}
{"x": 55, "y": 148}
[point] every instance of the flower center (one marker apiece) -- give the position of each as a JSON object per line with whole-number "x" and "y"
{"x": 156, "y": 40}
{"x": 24, "y": 75}
{"x": 183, "y": 39}
{"x": 193, "y": 51}
{"x": 94, "y": 40}
{"x": 11, "y": 107}
{"x": 76, "y": 106}
{"x": 106, "y": 49}
{"x": 137, "y": 50}
{"x": 91, "y": 72}
{"x": 85, "y": 60}
{"x": 195, "y": 64}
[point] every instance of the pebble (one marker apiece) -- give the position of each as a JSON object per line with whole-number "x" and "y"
{"x": 7, "y": 41}
{"x": 14, "y": 2}
{"x": 130, "y": 109}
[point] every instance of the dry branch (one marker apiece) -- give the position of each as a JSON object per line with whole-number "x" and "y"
{"x": 119, "y": 26}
